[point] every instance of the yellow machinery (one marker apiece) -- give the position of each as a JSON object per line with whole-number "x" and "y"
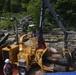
{"x": 30, "y": 52}
{"x": 27, "y": 51}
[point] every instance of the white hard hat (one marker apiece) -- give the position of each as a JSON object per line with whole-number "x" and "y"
{"x": 7, "y": 61}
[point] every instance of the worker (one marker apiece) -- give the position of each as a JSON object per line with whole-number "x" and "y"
{"x": 8, "y": 67}
{"x": 34, "y": 33}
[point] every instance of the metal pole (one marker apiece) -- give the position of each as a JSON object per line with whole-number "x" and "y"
{"x": 16, "y": 29}
{"x": 41, "y": 21}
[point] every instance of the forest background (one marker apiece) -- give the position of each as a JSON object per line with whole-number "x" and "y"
{"x": 22, "y": 8}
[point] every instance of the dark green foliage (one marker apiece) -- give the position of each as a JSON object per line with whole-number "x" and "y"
{"x": 1, "y": 4}
{"x": 34, "y": 9}
{"x": 67, "y": 11}
{"x": 25, "y": 4}
{"x": 6, "y": 6}
{"x": 65, "y": 8}
{"x": 15, "y": 6}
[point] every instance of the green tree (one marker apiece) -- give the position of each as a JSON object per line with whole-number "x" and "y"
{"x": 15, "y": 6}
{"x": 6, "y": 7}
{"x": 67, "y": 11}
{"x": 65, "y": 8}
{"x": 1, "y": 4}
{"x": 34, "y": 9}
{"x": 24, "y": 4}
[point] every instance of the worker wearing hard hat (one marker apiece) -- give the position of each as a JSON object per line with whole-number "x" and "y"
{"x": 8, "y": 67}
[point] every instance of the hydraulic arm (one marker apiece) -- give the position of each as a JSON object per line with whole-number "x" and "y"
{"x": 56, "y": 17}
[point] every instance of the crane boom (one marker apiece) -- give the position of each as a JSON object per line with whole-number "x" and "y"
{"x": 56, "y": 17}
